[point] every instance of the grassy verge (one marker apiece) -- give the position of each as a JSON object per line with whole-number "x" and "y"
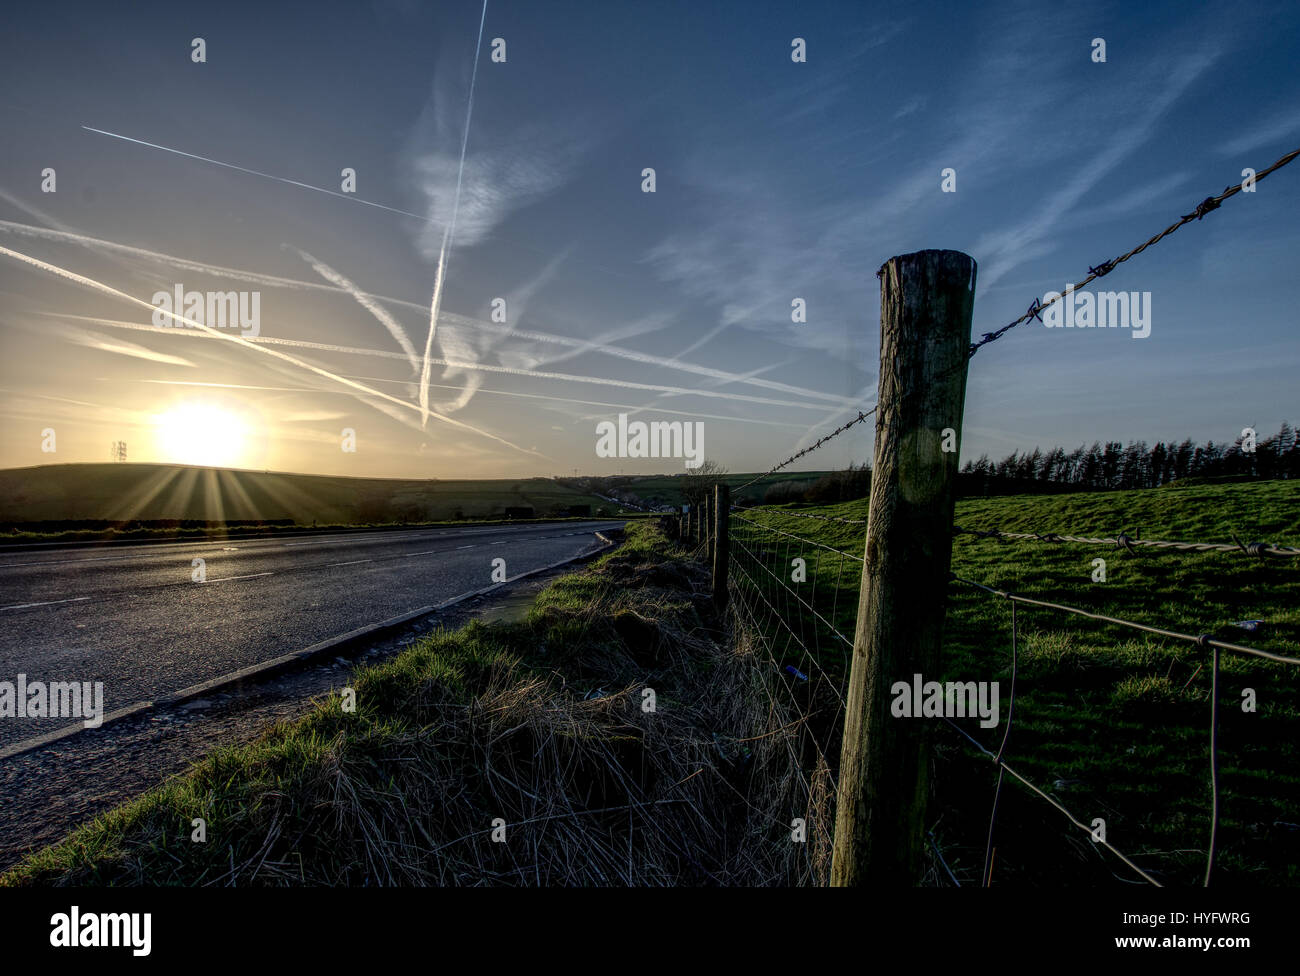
{"x": 1113, "y": 722}
{"x": 539, "y": 728}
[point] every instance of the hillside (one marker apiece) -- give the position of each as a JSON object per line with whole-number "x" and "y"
{"x": 117, "y": 492}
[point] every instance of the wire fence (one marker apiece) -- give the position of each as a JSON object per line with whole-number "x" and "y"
{"x": 1122, "y": 541}
{"x": 1202, "y": 641}
{"x": 794, "y": 600}
{"x": 1036, "y": 307}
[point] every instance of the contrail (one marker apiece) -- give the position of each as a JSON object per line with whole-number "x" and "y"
{"x": 504, "y": 393}
{"x": 457, "y": 363}
{"x": 365, "y": 301}
{"x": 253, "y": 172}
{"x": 450, "y": 232}
{"x": 585, "y": 345}
{"x": 350, "y": 197}
{"x": 434, "y": 302}
{"x": 240, "y": 340}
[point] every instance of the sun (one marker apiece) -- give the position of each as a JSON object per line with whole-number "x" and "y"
{"x": 205, "y": 433}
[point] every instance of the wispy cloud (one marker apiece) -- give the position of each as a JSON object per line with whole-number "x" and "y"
{"x": 472, "y": 325}
{"x": 116, "y": 346}
{"x": 1004, "y": 249}
{"x": 246, "y": 343}
{"x": 369, "y": 304}
{"x": 1269, "y": 132}
{"x": 264, "y": 340}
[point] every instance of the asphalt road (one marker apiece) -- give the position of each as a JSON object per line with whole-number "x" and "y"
{"x": 134, "y": 618}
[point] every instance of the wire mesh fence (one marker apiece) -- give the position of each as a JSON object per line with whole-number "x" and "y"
{"x": 794, "y": 600}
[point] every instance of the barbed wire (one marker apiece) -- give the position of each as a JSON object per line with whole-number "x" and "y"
{"x": 1124, "y": 541}
{"x": 1036, "y": 307}
{"x": 862, "y": 415}
{"x": 1120, "y": 540}
{"x": 1106, "y": 267}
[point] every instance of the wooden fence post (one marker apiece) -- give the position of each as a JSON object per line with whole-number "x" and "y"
{"x": 708, "y": 525}
{"x": 721, "y": 543}
{"x": 705, "y": 523}
{"x": 926, "y": 300}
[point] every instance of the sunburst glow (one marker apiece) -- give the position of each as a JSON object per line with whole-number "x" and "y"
{"x": 204, "y": 433}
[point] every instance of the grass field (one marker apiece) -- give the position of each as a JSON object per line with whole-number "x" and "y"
{"x": 118, "y": 492}
{"x": 539, "y": 718}
{"x": 1113, "y": 722}
{"x": 540, "y": 722}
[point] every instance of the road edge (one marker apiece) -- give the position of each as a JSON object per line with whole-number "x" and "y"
{"x": 285, "y": 661}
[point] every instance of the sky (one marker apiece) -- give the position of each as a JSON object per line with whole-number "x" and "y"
{"x": 775, "y": 179}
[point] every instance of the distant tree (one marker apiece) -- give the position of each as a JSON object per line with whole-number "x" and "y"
{"x": 1031, "y": 465}
{"x": 1054, "y": 468}
{"x": 841, "y": 486}
{"x": 1110, "y": 464}
{"x": 1156, "y": 464}
{"x": 1183, "y": 459}
{"x": 1286, "y": 438}
{"x": 697, "y": 483}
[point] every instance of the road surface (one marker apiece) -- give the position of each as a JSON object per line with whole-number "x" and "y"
{"x": 134, "y": 618}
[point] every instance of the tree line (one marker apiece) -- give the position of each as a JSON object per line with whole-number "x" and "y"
{"x": 1103, "y": 466}
{"x": 1137, "y": 464}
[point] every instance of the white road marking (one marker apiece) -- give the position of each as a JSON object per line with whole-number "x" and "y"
{"x": 353, "y": 562}
{"x": 223, "y": 579}
{"x": 46, "y": 603}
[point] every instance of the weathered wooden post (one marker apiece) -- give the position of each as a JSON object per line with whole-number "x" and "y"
{"x": 703, "y": 521}
{"x": 707, "y": 532}
{"x": 721, "y": 543}
{"x": 926, "y": 300}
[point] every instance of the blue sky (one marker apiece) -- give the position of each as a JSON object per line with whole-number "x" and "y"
{"x": 775, "y": 180}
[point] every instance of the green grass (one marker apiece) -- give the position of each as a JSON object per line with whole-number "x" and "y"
{"x": 1114, "y": 723}
{"x": 1119, "y": 718}
{"x": 538, "y": 722}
